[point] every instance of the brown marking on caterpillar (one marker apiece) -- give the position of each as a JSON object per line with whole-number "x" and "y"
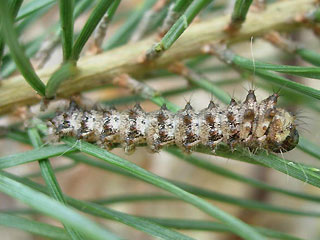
{"x": 162, "y": 129}
{"x": 249, "y": 124}
{"x": 187, "y": 131}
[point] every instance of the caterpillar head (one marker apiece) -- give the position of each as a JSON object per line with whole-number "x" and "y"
{"x": 283, "y": 135}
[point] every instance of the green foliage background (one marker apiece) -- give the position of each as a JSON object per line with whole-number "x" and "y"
{"x": 48, "y": 199}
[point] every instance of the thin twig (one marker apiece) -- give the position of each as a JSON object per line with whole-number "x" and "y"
{"x": 46, "y": 49}
{"x": 222, "y": 52}
{"x": 283, "y": 43}
{"x": 144, "y": 90}
{"x": 170, "y": 19}
{"x": 176, "y": 9}
{"x": 136, "y": 87}
{"x": 100, "y": 33}
{"x": 145, "y": 21}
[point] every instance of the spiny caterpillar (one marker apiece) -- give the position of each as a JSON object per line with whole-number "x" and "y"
{"x": 249, "y": 124}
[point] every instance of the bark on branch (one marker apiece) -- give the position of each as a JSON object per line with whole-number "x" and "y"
{"x": 101, "y": 69}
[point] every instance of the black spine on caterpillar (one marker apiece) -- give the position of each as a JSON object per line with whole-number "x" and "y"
{"x": 249, "y": 124}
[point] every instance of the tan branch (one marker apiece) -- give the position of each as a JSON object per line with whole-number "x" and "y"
{"x": 101, "y": 69}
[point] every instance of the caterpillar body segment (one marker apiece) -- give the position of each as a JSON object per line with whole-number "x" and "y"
{"x": 249, "y": 124}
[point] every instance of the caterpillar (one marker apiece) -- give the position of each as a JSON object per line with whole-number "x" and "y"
{"x": 249, "y": 124}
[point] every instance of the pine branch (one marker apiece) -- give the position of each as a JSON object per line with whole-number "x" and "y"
{"x": 101, "y": 69}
